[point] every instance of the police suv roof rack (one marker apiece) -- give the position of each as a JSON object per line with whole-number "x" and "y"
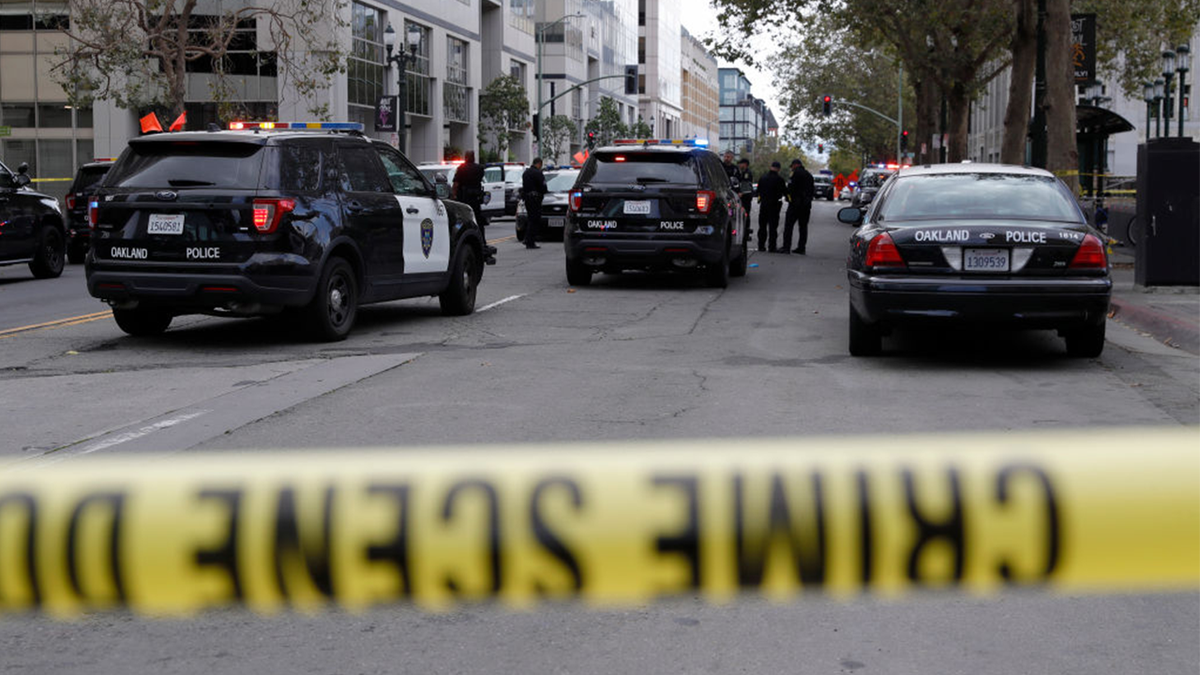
{"x": 694, "y": 142}
{"x": 352, "y": 128}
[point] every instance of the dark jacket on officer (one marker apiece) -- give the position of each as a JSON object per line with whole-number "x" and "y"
{"x": 533, "y": 185}
{"x": 800, "y": 185}
{"x": 771, "y": 187}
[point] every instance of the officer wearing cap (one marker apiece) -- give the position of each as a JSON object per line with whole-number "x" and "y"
{"x": 771, "y": 189}
{"x": 800, "y": 194}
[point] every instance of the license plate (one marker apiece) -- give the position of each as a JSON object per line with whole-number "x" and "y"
{"x": 637, "y": 208}
{"x": 985, "y": 260}
{"x": 161, "y": 223}
{"x": 556, "y": 222}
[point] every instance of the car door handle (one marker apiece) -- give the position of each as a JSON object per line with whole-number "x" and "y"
{"x": 355, "y": 207}
{"x": 413, "y": 210}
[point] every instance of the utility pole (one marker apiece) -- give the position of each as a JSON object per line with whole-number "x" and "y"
{"x": 1038, "y": 130}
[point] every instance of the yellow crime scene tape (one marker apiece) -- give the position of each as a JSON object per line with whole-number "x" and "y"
{"x": 614, "y": 524}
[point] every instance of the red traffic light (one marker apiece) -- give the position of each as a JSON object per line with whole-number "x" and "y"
{"x": 828, "y": 99}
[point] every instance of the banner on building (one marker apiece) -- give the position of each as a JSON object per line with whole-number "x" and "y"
{"x": 385, "y": 114}
{"x": 1083, "y": 47}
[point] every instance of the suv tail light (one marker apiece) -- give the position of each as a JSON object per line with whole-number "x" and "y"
{"x": 268, "y": 212}
{"x": 70, "y": 201}
{"x": 704, "y": 200}
{"x": 1090, "y": 255}
{"x": 882, "y": 252}
{"x": 93, "y": 212}
{"x": 576, "y": 201}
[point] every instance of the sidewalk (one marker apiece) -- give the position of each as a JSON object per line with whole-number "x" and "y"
{"x": 1171, "y": 314}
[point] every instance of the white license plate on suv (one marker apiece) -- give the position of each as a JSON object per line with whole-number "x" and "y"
{"x": 985, "y": 260}
{"x": 640, "y": 208}
{"x": 161, "y": 223}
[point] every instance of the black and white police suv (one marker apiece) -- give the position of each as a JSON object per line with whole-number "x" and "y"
{"x": 311, "y": 219}
{"x": 31, "y": 226}
{"x": 976, "y": 243}
{"x": 655, "y": 205}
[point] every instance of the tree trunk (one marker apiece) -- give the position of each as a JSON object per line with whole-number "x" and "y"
{"x": 928, "y": 98}
{"x": 1062, "y": 154}
{"x": 1020, "y": 87}
{"x": 959, "y": 104}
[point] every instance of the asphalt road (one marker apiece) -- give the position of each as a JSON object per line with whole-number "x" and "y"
{"x": 631, "y": 357}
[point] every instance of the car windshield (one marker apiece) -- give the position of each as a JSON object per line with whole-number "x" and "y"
{"x": 978, "y": 196}
{"x": 561, "y": 181}
{"x": 188, "y": 164}
{"x": 431, "y": 172}
{"x": 643, "y": 167}
{"x": 821, "y": 179}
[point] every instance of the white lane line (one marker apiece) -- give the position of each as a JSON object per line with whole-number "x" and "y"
{"x": 500, "y": 302}
{"x": 125, "y": 437}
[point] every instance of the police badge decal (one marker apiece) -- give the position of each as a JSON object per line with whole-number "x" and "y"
{"x": 426, "y": 236}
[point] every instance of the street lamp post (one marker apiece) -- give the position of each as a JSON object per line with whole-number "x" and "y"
{"x": 1184, "y": 52}
{"x": 1148, "y": 97}
{"x": 1168, "y": 71}
{"x": 541, "y": 40}
{"x": 1158, "y": 97}
{"x": 400, "y": 60}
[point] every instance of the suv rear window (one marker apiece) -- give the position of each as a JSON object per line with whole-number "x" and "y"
{"x": 88, "y": 178}
{"x": 642, "y": 167}
{"x": 188, "y": 164}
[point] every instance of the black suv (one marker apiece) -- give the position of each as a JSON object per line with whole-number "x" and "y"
{"x": 655, "y": 207}
{"x": 822, "y": 186}
{"x": 245, "y": 223}
{"x": 80, "y": 193}
{"x": 31, "y": 226}
{"x": 868, "y": 186}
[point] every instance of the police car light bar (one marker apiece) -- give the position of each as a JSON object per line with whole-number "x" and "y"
{"x": 696, "y": 142}
{"x": 297, "y": 126}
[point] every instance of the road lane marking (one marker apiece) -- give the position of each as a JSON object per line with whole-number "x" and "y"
{"x": 500, "y": 302}
{"x": 510, "y": 237}
{"x": 57, "y": 323}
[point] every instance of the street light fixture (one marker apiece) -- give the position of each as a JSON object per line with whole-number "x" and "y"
{"x": 541, "y": 40}
{"x": 1148, "y": 97}
{"x": 1184, "y": 52}
{"x": 1168, "y": 71}
{"x": 1158, "y": 97}
{"x": 400, "y": 59}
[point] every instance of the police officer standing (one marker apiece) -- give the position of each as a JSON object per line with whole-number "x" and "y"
{"x": 468, "y": 187}
{"x": 746, "y": 190}
{"x": 800, "y": 195}
{"x": 771, "y": 189}
{"x": 533, "y": 190}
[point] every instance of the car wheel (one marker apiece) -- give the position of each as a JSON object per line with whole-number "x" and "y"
{"x": 76, "y": 253}
{"x": 459, "y": 297}
{"x": 142, "y": 322}
{"x": 717, "y": 274}
{"x": 1086, "y": 342}
{"x": 865, "y": 339}
{"x": 738, "y": 267}
{"x": 578, "y": 274}
{"x": 50, "y": 256}
{"x": 331, "y": 313}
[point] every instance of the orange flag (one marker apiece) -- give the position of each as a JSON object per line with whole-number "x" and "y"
{"x": 177, "y": 125}
{"x": 150, "y": 124}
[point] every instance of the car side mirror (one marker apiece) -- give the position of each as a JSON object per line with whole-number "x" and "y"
{"x": 851, "y": 215}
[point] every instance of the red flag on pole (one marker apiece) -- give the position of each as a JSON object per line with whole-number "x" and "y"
{"x": 177, "y": 125}
{"x": 150, "y": 124}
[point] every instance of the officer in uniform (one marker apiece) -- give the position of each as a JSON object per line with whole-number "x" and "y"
{"x": 771, "y": 189}
{"x": 800, "y": 195}
{"x": 533, "y": 189}
{"x": 746, "y": 190}
{"x": 468, "y": 187}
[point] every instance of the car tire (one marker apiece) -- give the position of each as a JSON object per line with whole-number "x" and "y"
{"x": 141, "y": 322}
{"x": 331, "y": 313}
{"x": 865, "y": 339}
{"x": 1086, "y": 342}
{"x": 459, "y": 297}
{"x": 51, "y": 254}
{"x": 717, "y": 275}
{"x": 76, "y": 254}
{"x": 737, "y": 268}
{"x": 578, "y": 274}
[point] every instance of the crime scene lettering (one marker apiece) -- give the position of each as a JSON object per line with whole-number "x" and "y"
{"x": 291, "y": 551}
{"x": 396, "y": 550}
{"x": 225, "y": 555}
{"x": 805, "y": 537}
{"x": 1003, "y": 480}
{"x": 10, "y": 502}
{"x": 687, "y": 542}
{"x": 949, "y": 531}
{"x": 493, "y": 527}
{"x": 549, "y": 539}
{"x": 115, "y": 501}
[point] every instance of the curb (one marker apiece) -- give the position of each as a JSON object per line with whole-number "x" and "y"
{"x": 1165, "y": 328}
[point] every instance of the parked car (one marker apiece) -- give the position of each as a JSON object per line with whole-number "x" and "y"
{"x": 650, "y": 206}
{"x": 822, "y": 187}
{"x": 493, "y": 192}
{"x": 310, "y": 223}
{"x": 554, "y": 205}
{"x": 79, "y": 232}
{"x": 31, "y": 226}
{"x": 981, "y": 244}
{"x": 869, "y": 183}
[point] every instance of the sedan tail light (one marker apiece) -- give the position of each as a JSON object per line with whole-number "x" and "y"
{"x": 882, "y": 252}
{"x": 704, "y": 200}
{"x": 576, "y": 201}
{"x": 268, "y": 212}
{"x": 1090, "y": 255}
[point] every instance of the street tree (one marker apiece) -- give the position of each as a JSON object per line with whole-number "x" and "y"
{"x": 640, "y": 129}
{"x": 607, "y": 123}
{"x": 138, "y": 53}
{"x": 503, "y": 110}
{"x": 559, "y": 130}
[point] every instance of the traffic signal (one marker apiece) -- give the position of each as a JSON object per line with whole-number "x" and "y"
{"x": 631, "y": 79}
{"x": 820, "y": 148}
{"x": 536, "y": 127}
{"x": 827, "y": 105}
{"x": 904, "y": 141}
{"x": 591, "y": 140}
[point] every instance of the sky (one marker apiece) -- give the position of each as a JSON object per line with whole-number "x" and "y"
{"x": 700, "y": 18}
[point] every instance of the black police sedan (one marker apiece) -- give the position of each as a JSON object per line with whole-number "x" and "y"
{"x": 655, "y": 205}
{"x": 256, "y": 222}
{"x": 976, "y": 243}
{"x": 31, "y": 226}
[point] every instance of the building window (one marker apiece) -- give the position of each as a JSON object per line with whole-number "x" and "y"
{"x": 521, "y": 14}
{"x": 518, "y": 70}
{"x": 420, "y": 84}
{"x": 456, "y": 99}
{"x": 365, "y": 67}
